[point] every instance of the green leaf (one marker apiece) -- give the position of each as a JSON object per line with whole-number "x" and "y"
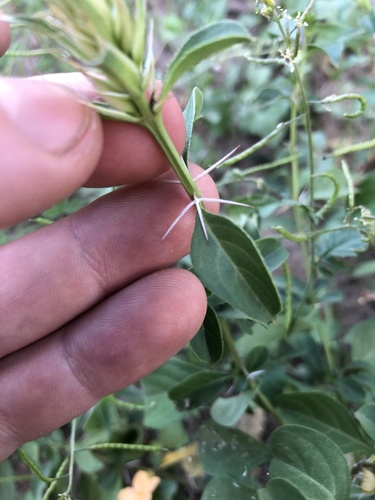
{"x": 319, "y": 411}
{"x": 162, "y": 379}
{"x": 87, "y": 461}
{"x": 231, "y": 266}
{"x": 280, "y": 488}
{"x": 256, "y": 358}
{"x": 340, "y": 243}
{"x": 332, "y": 38}
{"x": 160, "y": 410}
{"x": 228, "y": 411}
{"x": 7, "y": 483}
{"x": 191, "y": 114}
{"x": 268, "y": 95}
{"x": 230, "y": 452}
{"x": 366, "y": 190}
{"x": 202, "y": 44}
{"x": 364, "y": 269}
{"x": 366, "y": 417}
{"x": 198, "y": 389}
{"x": 273, "y": 252}
{"x": 223, "y": 488}
{"x": 208, "y": 344}
{"x": 307, "y": 462}
{"x": 362, "y": 338}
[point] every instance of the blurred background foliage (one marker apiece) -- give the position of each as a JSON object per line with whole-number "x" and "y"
{"x": 215, "y": 421}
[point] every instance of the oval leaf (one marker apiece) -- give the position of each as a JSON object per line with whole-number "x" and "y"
{"x": 208, "y": 344}
{"x": 202, "y": 44}
{"x": 310, "y": 463}
{"x": 319, "y": 411}
{"x": 226, "y": 452}
{"x": 231, "y": 266}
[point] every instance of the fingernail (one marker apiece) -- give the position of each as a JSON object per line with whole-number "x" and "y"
{"x": 47, "y": 114}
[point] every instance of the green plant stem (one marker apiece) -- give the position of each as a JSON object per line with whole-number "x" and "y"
{"x": 157, "y": 129}
{"x": 252, "y": 149}
{"x": 305, "y": 105}
{"x": 126, "y": 405}
{"x": 288, "y": 306}
{"x": 326, "y": 346}
{"x": 53, "y": 485}
{"x": 73, "y": 431}
{"x": 294, "y": 163}
{"x": 34, "y": 467}
{"x": 295, "y": 184}
{"x": 12, "y": 479}
{"x": 353, "y": 148}
{"x": 266, "y": 403}
{"x": 310, "y": 263}
{"x": 232, "y": 348}
{"x": 152, "y": 119}
{"x": 123, "y": 446}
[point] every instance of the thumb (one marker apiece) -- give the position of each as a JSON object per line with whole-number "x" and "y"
{"x": 49, "y": 145}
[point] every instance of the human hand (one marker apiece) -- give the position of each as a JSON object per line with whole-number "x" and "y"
{"x": 87, "y": 304}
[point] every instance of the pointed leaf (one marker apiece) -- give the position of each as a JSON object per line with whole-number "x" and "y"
{"x": 228, "y": 411}
{"x": 319, "y": 411}
{"x": 231, "y": 266}
{"x": 256, "y": 358}
{"x": 310, "y": 463}
{"x": 273, "y": 252}
{"x": 191, "y": 114}
{"x": 208, "y": 344}
{"x": 160, "y": 411}
{"x": 279, "y": 488}
{"x": 198, "y": 389}
{"x": 202, "y": 44}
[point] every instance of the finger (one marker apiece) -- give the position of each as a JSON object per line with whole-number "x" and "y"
{"x": 51, "y": 276}
{"x": 4, "y": 37}
{"x": 49, "y": 143}
{"x": 130, "y": 153}
{"x": 110, "y": 347}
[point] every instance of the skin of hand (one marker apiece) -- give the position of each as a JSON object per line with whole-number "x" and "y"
{"x": 88, "y": 304}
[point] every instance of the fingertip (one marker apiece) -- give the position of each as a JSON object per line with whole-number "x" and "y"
{"x": 5, "y": 37}
{"x": 174, "y": 122}
{"x": 50, "y": 143}
{"x": 131, "y": 154}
